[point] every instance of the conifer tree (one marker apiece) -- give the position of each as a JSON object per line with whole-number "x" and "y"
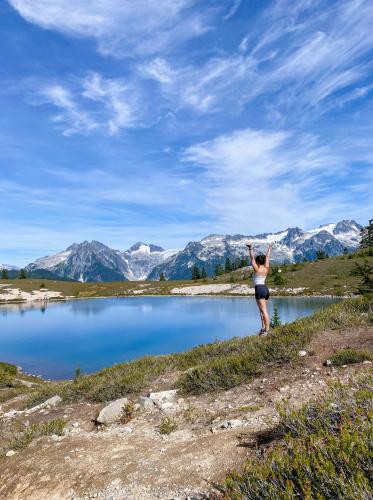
{"x": 275, "y": 320}
{"x": 22, "y": 274}
{"x": 196, "y": 273}
{"x": 4, "y": 274}
{"x": 366, "y": 235}
{"x": 228, "y": 265}
{"x": 162, "y": 277}
{"x": 203, "y": 273}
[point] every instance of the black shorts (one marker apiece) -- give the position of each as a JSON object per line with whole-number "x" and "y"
{"x": 261, "y": 292}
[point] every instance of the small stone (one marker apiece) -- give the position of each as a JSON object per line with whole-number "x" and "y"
{"x": 284, "y": 389}
{"x": 328, "y": 362}
{"x": 367, "y": 362}
{"x": 302, "y": 353}
{"x": 76, "y": 424}
{"x": 10, "y": 453}
{"x": 11, "y": 414}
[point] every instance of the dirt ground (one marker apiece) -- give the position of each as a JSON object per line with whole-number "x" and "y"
{"x": 135, "y": 461}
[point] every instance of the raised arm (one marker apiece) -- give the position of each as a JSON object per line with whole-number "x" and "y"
{"x": 252, "y": 257}
{"x": 268, "y": 255}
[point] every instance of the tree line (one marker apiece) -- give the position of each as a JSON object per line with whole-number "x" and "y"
{"x": 22, "y": 275}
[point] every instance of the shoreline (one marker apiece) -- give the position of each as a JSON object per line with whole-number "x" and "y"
{"x": 217, "y": 295}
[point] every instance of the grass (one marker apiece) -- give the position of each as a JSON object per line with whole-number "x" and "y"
{"x": 38, "y": 430}
{"x": 258, "y": 354}
{"x": 208, "y": 367}
{"x": 324, "y": 450}
{"x": 333, "y": 276}
{"x": 349, "y": 356}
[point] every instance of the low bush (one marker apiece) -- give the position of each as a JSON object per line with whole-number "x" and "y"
{"x": 38, "y": 430}
{"x": 348, "y": 356}
{"x": 324, "y": 451}
{"x": 167, "y": 426}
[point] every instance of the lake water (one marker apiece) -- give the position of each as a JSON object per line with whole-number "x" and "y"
{"x": 96, "y": 333}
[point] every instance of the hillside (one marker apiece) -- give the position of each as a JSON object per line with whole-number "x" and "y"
{"x": 224, "y": 414}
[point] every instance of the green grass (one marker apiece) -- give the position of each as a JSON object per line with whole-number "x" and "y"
{"x": 349, "y": 356}
{"x": 38, "y": 430}
{"x": 208, "y": 367}
{"x": 324, "y": 451}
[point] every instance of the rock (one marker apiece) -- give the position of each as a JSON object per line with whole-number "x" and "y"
{"x": 163, "y": 395}
{"x": 125, "y": 430}
{"x": 11, "y": 414}
{"x": 10, "y": 453}
{"x": 76, "y": 424}
{"x": 232, "y": 424}
{"x": 328, "y": 362}
{"x": 146, "y": 403}
{"x": 284, "y": 389}
{"x": 49, "y": 402}
{"x": 167, "y": 405}
{"x": 367, "y": 362}
{"x": 112, "y": 412}
{"x": 302, "y": 353}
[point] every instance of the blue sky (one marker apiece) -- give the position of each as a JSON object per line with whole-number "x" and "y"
{"x": 167, "y": 120}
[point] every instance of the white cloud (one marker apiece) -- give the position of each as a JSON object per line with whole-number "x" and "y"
{"x": 96, "y": 103}
{"x": 270, "y": 178}
{"x": 302, "y": 59}
{"x": 120, "y": 27}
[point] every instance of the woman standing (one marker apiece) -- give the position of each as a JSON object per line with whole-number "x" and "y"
{"x": 260, "y": 265}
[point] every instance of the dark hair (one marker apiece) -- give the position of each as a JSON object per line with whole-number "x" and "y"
{"x": 260, "y": 259}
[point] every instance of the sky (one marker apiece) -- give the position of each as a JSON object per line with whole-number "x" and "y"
{"x": 167, "y": 120}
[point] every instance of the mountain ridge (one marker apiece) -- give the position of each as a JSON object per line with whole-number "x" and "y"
{"x": 94, "y": 261}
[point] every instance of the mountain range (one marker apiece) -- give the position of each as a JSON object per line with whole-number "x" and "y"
{"x": 94, "y": 261}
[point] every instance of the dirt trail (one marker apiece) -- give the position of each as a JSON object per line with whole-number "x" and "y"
{"x": 135, "y": 461}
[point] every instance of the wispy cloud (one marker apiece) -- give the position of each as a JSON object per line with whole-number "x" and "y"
{"x": 274, "y": 177}
{"x": 304, "y": 59}
{"x": 95, "y": 103}
{"x": 120, "y": 27}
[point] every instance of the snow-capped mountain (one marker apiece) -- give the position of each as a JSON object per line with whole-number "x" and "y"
{"x": 142, "y": 258}
{"x": 9, "y": 267}
{"x": 290, "y": 245}
{"x": 94, "y": 261}
{"x": 87, "y": 261}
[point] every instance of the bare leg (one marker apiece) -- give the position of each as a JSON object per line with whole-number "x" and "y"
{"x": 262, "y": 303}
{"x": 261, "y": 314}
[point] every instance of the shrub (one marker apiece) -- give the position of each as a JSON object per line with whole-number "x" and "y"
{"x": 325, "y": 451}
{"x": 348, "y": 356}
{"x": 167, "y": 426}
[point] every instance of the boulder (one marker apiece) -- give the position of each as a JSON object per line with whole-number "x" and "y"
{"x": 163, "y": 395}
{"x": 146, "y": 403}
{"x": 112, "y": 412}
{"x": 302, "y": 353}
{"x": 10, "y": 453}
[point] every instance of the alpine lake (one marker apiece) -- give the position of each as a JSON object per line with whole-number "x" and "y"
{"x": 53, "y": 339}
